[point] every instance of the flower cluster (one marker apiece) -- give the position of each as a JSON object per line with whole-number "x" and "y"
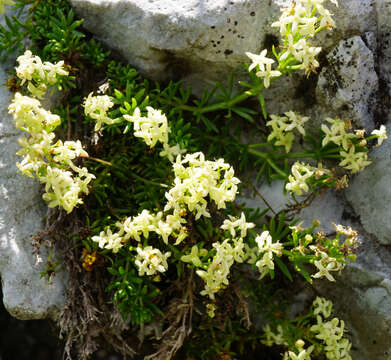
{"x": 303, "y": 354}
{"x": 263, "y": 65}
{"x": 51, "y": 163}
{"x": 326, "y": 336}
{"x": 96, "y": 107}
{"x": 282, "y": 127}
{"x": 149, "y": 261}
{"x": 352, "y": 159}
{"x": 273, "y": 338}
{"x": 298, "y": 180}
{"x": 38, "y": 74}
{"x": 298, "y": 22}
{"x": 154, "y": 128}
{"x": 196, "y": 179}
{"x": 331, "y": 333}
{"x": 216, "y": 275}
{"x": 142, "y": 225}
{"x": 263, "y": 254}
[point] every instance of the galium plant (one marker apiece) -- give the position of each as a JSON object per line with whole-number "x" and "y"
{"x": 160, "y": 214}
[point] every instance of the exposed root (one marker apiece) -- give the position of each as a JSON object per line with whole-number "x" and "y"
{"x": 179, "y": 315}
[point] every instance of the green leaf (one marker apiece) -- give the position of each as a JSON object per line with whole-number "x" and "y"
{"x": 283, "y": 268}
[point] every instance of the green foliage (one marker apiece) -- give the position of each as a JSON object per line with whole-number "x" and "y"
{"x": 134, "y": 295}
{"x": 132, "y": 177}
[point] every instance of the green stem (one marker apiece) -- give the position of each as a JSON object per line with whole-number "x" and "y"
{"x": 108, "y": 163}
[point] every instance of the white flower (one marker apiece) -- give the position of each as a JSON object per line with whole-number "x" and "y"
{"x": 234, "y": 223}
{"x": 30, "y": 116}
{"x": 61, "y": 189}
{"x": 279, "y": 125}
{"x": 96, "y": 107}
{"x": 300, "y": 174}
{"x": 297, "y": 121}
{"x": 381, "y": 134}
{"x": 337, "y": 133}
{"x": 322, "y": 306}
{"x": 259, "y": 60}
{"x": 152, "y": 128}
{"x": 354, "y": 161}
{"x": 324, "y": 270}
{"x": 194, "y": 256}
{"x": 197, "y": 179}
{"x": 149, "y": 261}
{"x": 267, "y": 74}
{"x": 267, "y": 247}
{"x": 32, "y": 69}
{"x": 171, "y": 152}
{"x": 108, "y": 240}
{"x": 67, "y": 151}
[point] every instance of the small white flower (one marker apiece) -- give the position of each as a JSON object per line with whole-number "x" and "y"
{"x": 300, "y": 174}
{"x": 234, "y": 223}
{"x": 96, "y": 107}
{"x": 354, "y": 161}
{"x": 149, "y": 261}
{"x": 322, "y": 306}
{"x": 267, "y": 74}
{"x": 194, "y": 256}
{"x": 381, "y": 134}
{"x": 259, "y": 60}
{"x": 171, "y": 152}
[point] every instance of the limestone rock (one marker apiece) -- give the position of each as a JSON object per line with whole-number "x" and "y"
{"x": 327, "y": 209}
{"x": 349, "y": 83}
{"x": 370, "y": 193}
{"x": 25, "y": 294}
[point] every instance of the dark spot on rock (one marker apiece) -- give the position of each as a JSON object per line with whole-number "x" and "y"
{"x": 306, "y": 89}
{"x": 234, "y": 32}
{"x": 212, "y": 27}
{"x": 235, "y": 23}
{"x": 214, "y": 45}
{"x": 228, "y": 20}
{"x": 252, "y": 13}
{"x": 229, "y": 29}
{"x": 218, "y": 42}
{"x": 228, "y": 52}
{"x": 270, "y": 40}
{"x": 222, "y": 37}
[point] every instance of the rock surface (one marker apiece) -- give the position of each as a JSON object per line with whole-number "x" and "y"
{"x": 349, "y": 84}
{"x": 25, "y": 294}
{"x": 370, "y": 193}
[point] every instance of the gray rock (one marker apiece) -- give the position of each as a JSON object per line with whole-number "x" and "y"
{"x": 25, "y": 294}
{"x": 349, "y": 84}
{"x": 327, "y": 208}
{"x": 200, "y": 41}
{"x": 370, "y": 194}
{"x": 383, "y": 15}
